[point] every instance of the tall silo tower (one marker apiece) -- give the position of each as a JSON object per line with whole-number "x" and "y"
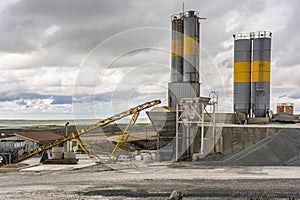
{"x": 191, "y": 47}
{"x": 260, "y": 86}
{"x": 177, "y": 49}
{"x": 185, "y": 58}
{"x": 242, "y": 74}
{"x": 252, "y": 55}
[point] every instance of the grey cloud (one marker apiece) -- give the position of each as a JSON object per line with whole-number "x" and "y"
{"x": 287, "y": 40}
{"x": 214, "y": 28}
{"x": 70, "y": 11}
{"x": 227, "y": 63}
{"x": 295, "y": 96}
{"x": 104, "y": 97}
{"x": 282, "y": 96}
{"x": 21, "y": 102}
{"x": 81, "y": 25}
{"x": 20, "y": 97}
{"x": 12, "y": 97}
{"x": 61, "y": 99}
{"x": 141, "y": 57}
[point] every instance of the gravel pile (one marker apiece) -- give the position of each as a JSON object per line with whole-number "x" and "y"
{"x": 280, "y": 149}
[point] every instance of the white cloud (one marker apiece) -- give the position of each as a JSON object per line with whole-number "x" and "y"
{"x": 50, "y": 31}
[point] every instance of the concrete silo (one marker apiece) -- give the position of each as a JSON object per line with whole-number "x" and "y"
{"x": 242, "y": 75}
{"x": 185, "y": 58}
{"x": 260, "y": 86}
{"x": 177, "y": 49}
{"x": 191, "y": 47}
{"x": 252, "y": 56}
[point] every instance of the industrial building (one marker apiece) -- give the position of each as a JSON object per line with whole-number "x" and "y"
{"x": 186, "y": 130}
{"x": 185, "y": 115}
{"x": 21, "y": 142}
{"x": 185, "y": 57}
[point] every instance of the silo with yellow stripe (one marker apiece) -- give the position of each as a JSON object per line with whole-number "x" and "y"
{"x": 185, "y": 57}
{"x": 260, "y": 85}
{"x": 191, "y": 47}
{"x": 242, "y": 73}
{"x": 177, "y": 49}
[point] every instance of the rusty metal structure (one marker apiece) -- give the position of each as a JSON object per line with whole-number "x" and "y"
{"x": 285, "y": 108}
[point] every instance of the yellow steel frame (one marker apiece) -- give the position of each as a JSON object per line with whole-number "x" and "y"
{"x": 75, "y": 135}
{"x": 82, "y": 146}
{"x": 124, "y": 136}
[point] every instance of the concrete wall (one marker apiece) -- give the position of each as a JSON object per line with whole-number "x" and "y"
{"x": 227, "y": 118}
{"x": 236, "y": 138}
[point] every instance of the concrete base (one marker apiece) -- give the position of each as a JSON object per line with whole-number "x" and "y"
{"x": 233, "y": 138}
{"x": 61, "y": 161}
{"x": 258, "y": 120}
{"x": 201, "y": 155}
{"x": 196, "y": 157}
{"x": 155, "y": 156}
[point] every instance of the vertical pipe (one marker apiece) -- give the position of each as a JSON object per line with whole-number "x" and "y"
{"x": 202, "y": 130}
{"x": 184, "y": 134}
{"x": 214, "y": 126}
{"x": 157, "y": 143}
{"x": 67, "y": 145}
{"x": 177, "y": 139}
{"x": 188, "y": 140}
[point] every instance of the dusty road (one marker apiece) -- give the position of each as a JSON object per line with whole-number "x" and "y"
{"x": 155, "y": 181}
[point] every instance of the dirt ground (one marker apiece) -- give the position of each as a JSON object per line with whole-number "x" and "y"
{"x": 154, "y": 181}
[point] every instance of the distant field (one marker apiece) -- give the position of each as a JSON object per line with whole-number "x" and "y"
{"x": 42, "y": 124}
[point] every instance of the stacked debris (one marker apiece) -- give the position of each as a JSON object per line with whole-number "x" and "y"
{"x": 285, "y": 118}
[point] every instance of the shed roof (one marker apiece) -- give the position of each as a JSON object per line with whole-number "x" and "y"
{"x": 12, "y": 138}
{"x": 39, "y": 136}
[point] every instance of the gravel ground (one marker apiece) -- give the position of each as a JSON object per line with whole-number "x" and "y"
{"x": 138, "y": 180}
{"x": 153, "y": 182}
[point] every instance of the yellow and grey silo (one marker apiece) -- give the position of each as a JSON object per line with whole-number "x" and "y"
{"x": 242, "y": 74}
{"x": 191, "y": 47}
{"x": 260, "y": 85}
{"x": 177, "y": 49}
{"x": 185, "y": 58}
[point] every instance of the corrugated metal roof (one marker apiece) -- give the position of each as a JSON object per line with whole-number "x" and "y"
{"x": 39, "y": 136}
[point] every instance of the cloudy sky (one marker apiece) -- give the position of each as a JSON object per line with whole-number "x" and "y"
{"x": 93, "y": 58}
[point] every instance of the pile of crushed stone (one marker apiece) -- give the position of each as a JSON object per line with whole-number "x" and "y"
{"x": 280, "y": 149}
